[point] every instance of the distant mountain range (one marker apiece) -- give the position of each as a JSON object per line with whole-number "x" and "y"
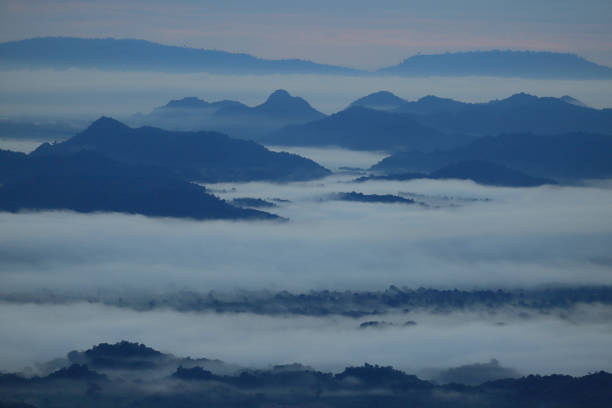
{"x": 503, "y": 63}
{"x": 517, "y": 113}
{"x": 383, "y": 121}
{"x": 564, "y": 156}
{"x": 232, "y": 117}
{"x": 140, "y": 55}
{"x": 130, "y": 54}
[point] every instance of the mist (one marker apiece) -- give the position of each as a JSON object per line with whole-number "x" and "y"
{"x": 460, "y": 235}
{"x": 77, "y": 93}
{"x": 539, "y": 344}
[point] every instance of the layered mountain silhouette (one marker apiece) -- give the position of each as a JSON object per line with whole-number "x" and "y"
{"x": 88, "y": 182}
{"x": 362, "y": 128}
{"x": 201, "y": 156}
{"x": 232, "y": 117}
{"x": 383, "y": 121}
{"x": 131, "y": 54}
{"x": 149, "y": 171}
{"x": 517, "y": 113}
{"x": 525, "y": 64}
{"x": 147, "y": 377}
{"x": 564, "y": 156}
{"x": 381, "y": 100}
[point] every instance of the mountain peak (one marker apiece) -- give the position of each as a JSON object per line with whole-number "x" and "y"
{"x": 106, "y": 123}
{"x": 382, "y": 100}
{"x": 187, "y": 102}
{"x": 281, "y": 102}
{"x": 280, "y": 95}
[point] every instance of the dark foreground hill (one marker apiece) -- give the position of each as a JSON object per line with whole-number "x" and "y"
{"x": 201, "y": 156}
{"x": 566, "y": 156}
{"x": 190, "y": 384}
{"x": 362, "y": 128}
{"x": 500, "y": 63}
{"x": 88, "y": 182}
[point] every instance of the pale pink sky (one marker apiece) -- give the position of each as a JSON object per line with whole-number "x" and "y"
{"x": 358, "y": 33}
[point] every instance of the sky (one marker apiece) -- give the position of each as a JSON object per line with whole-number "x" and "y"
{"x": 356, "y": 33}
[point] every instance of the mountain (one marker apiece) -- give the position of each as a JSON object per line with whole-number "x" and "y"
{"x": 186, "y": 114}
{"x": 87, "y": 182}
{"x": 381, "y": 100}
{"x": 487, "y": 173}
{"x": 564, "y": 156}
{"x": 279, "y": 110}
{"x": 233, "y": 118}
{"x": 201, "y": 156}
{"x": 478, "y": 171}
{"x": 361, "y": 128}
{"x": 11, "y": 164}
{"x": 431, "y": 104}
{"x": 140, "y": 55}
{"x": 499, "y": 63}
{"x": 518, "y": 113}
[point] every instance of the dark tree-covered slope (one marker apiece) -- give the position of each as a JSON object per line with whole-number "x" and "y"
{"x": 571, "y": 155}
{"x": 88, "y": 182}
{"x": 365, "y": 129}
{"x": 203, "y": 156}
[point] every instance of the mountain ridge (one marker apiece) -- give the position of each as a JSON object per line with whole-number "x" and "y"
{"x": 138, "y": 54}
{"x": 194, "y": 156}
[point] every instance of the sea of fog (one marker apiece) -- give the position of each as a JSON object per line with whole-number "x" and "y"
{"x": 92, "y": 93}
{"x": 458, "y": 235}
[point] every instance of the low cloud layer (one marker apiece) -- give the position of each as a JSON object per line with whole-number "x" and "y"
{"x": 519, "y": 238}
{"x": 540, "y": 344}
{"x": 92, "y": 93}
{"x": 464, "y": 235}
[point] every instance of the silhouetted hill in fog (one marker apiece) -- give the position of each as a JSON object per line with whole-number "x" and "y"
{"x": 362, "y": 128}
{"x": 140, "y": 55}
{"x": 381, "y": 100}
{"x": 233, "y": 118}
{"x": 87, "y": 182}
{"x": 525, "y": 64}
{"x": 366, "y": 385}
{"x": 570, "y": 155}
{"x": 517, "y": 113}
{"x": 202, "y": 156}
